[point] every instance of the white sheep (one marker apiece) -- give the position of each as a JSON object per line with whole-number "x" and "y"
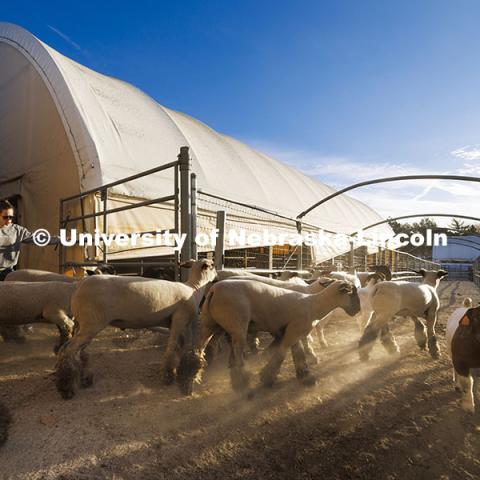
{"x": 33, "y": 302}
{"x": 389, "y": 299}
{"x": 365, "y": 313}
{"x": 132, "y": 302}
{"x": 31, "y": 275}
{"x": 291, "y": 284}
{"x": 237, "y": 306}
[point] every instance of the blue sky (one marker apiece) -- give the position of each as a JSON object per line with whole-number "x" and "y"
{"x": 344, "y": 90}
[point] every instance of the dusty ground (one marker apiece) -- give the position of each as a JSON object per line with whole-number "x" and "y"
{"x": 393, "y": 418}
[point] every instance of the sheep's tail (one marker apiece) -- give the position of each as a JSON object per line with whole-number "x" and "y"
{"x": 468, "y": 302}
{"x": 5, "y": 419}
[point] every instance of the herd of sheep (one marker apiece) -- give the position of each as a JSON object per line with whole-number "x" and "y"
{"x": 236, "y": 307}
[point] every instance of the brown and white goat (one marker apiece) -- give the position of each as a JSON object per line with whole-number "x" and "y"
{"x": 465, "y": 350}
{"x": 132, "y": 302}
{"x": 236, "y": 307}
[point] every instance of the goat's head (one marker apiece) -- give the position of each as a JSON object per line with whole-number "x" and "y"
{"x": 432, "y": 277}
{"x": 201, "y": 271}
{"x": 348, "y": 297}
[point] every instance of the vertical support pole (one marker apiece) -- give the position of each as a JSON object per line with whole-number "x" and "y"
{"x": 193, "y": 179}
{"x": 104, "y": 197}
{"x": 220, "y": 244}
{"x": 379, "y": 256}
{"x": 351, "y": 258}
{"x": 61, "y": 260}
{"x": 270, "y": 257}
{"x": 176, "y": 216}
{"x": 185, "y": 207}
{"x": 300, "y": 247}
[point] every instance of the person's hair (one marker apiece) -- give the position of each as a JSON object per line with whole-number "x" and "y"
{"x": 5, "y": 205}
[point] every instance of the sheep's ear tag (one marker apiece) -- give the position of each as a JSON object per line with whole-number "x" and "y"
{"x": 465, "y": 321}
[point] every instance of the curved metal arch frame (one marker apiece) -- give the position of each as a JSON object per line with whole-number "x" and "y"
{"x": 465, "y": 178}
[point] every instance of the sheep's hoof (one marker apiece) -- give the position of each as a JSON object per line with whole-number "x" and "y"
{"x": 435, "y": 354}
{"x": 240, "y": 380}
{"x": 267, "y": 379}
{"x": 309, "y": 380}
{"x": 87, "y": 380}
{"x": 168, "y": 376}
{"x": 67, "y": 393}
{"x": 186, "y": 387}
{"x": 268, "y": 382}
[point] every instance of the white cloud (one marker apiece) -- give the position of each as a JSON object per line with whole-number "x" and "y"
{"x": 468, "y": 152}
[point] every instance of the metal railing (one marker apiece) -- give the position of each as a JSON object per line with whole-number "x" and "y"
{"x": 181, "y": 201}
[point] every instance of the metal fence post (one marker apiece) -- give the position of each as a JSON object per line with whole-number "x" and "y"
{"x": 60, "y": 246}
{"x": 300, "y": 247}
{"x": 185, "y": 207}
{"x": 193, "y": 178}
{"x": 351, "y": 259}
{"x": 104, "y": 197}
{"x": 220, "y": 244}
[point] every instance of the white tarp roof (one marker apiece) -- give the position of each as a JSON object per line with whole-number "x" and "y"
{"x": 115, "y": 130}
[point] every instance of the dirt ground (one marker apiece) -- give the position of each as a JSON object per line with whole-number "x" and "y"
{"x": 391, "y": 418}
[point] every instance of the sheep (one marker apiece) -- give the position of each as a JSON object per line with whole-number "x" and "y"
{"x": 31, "y": 275}
{"x": 315, "y": 287}
{"x": 34, "y": 302}
{"x": 5, "y": 419}
{"x": 132, "y": 302}
{"x": 15, "y": 333}
{"x": 389, "y": 299}
{"x": 237, "y": 306}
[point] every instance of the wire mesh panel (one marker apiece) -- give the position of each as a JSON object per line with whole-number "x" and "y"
{"x": 243, "y": 225}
